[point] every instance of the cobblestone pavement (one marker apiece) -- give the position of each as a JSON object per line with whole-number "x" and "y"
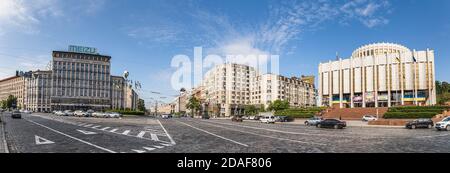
{"x": 187, "y": 135}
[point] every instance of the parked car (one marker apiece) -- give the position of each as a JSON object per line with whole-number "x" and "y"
{"x": 68, "y": 113}
{"x": 26, "y": 111}
{"x": 443, "y": 125}
{"x": 237, "y": 119}
{"x": 89, "y": 113}
{"x": 98, "y": 115}
{"x": 313, "y": 121}
{"x": 60, "y": 113}
{"x": 166, "y": 116}
{"x": 254, "y": 117}
{"x": 420, "y": 123}
{"x": 205, "y": 117}
{"x": 114, "y": 115}
{"x": 267, "y": 119}
{"x": 283, "y": 119}
{"x": 332, "y": 123}
{"x": 80, "y": 113}
{"x": 369, "y": 118}
{"x": 16, "y": 114}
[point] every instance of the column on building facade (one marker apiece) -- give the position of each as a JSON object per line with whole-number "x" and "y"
{"x": 429, "y": 81}
{"x": 376, "y": 78}
{"x": 330, "y": 83}
{"x": 352, "y": 78}
{"x": 340, "y": 83}
{"x": 363, "y": 82}
{"x": 414, "y": 63}
{"x": 388, "y": 77}
{"x": 402, "y": 79}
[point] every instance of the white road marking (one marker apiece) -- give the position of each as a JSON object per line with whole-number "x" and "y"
{"x": 89, "y": 125}
{"x": 148, "y": 148}
{"x": 167, "y": 145}
{"x": 167, "y": 133}
{"x": 82, "y": 124}
{"x": 42, "y": 141}
{"x": 214, "y": 134}
{"x": 139, "y": 151}
{"x": 141, "y": 134}
{"x": 87, "y": 132}
{"x": 154, "y": 137}
{"x": 113, "y": 130}
{"x": 61, "y": 133}
{"x": 96, "y": 127}
{"x": 432, "y": 136}
{"x": 126, "y": 132}
{"x": 156, "y": 146}
{"x": 267, "y": 136}
{"x": 106, "y": 128}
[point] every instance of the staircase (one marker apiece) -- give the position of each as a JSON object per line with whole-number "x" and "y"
{"x": 353, "y": 113}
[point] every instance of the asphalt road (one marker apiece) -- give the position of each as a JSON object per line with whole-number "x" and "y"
{"x": 43, "y": 133}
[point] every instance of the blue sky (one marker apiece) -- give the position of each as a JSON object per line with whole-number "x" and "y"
{"x": 142, "y": 36}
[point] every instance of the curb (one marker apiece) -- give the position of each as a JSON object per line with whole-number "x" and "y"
{"x": 3, "y": 140}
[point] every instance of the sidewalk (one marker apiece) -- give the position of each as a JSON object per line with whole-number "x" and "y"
{"x": 3, "y": 146}
{"x": 349, "y": 124}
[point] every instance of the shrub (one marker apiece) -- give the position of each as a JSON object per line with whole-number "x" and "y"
{"x": 409, "y": 115}
{"x": 128, "y": 112}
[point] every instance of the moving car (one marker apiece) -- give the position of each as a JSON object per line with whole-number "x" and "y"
{"x": 369, "y": 118}
{"x": 80, "y": 113}
{"x": 313, "y": 121}
{"x": 267, "y": 119}
{"x": 443, "y": 125}
{"x": 166, "y": 116}
{"x": 16, "y": 114}
{"x": 332, "y": 123}
{"x": 237, "y": 119}
{"x": 420, "y": 123}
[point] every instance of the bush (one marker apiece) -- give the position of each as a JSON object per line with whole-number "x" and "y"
{"x": 299, "y": 112}
{"x": 409, "y": 115}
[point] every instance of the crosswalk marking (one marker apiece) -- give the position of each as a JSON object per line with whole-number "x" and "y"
{"x": 96, "y": 127}
{"x": 113, "y": 130}
{"x": 82, "y": 124}
{"x": 148, "y": 148}
{"x": 154, "y": 137}
{"x": 126, "y": 132}
{"x": 89, "y": 125}
{"x": 105, "y": 128}
{"x": 167, "y": 145}
{"x": 141, "y": 134}
{"x": 139, "y": 151}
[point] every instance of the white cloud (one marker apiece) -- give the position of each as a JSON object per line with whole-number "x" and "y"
{"x": 368, "y": 12}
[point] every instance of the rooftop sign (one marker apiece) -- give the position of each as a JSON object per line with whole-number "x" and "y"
{"x": 82, "y": 49}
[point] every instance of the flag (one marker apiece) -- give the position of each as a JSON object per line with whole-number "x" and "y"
{"x": 414, "y": 59}
{"x": 398, "y": 59}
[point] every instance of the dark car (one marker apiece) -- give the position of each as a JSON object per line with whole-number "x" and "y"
{"x": 284, "y": 119}
{"x": 237, "y": 119}
{"x": 420, "y": 123}
{"x": 16, "y": 114}
{"x": 331, "y": 123}
{"x": 205, "y": 117}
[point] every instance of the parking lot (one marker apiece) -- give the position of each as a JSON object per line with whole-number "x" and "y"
{"x": 49, "y": 133}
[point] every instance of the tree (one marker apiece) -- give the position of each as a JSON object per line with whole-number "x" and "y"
{"x": 141, "y": 105}
{"x": 250, "y": 110}
{"x": 11, "y": 102}
{"x": 194, "y": 105}
{"x": 278, "y": 105}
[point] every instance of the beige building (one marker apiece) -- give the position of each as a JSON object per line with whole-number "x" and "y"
{"x": 270, "y": 87}
{"x": 38, "y": 91}
{"x": 14, "y": 86}
{"x": 379, "y": 75}
{"x": 118, "y": 85}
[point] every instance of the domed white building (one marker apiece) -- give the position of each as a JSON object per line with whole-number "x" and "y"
{"x": 378, "y": 75}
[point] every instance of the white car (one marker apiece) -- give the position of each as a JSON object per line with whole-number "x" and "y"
{"x": 26, "y": 111}
{"x": 113, "y": 115}
{"x": 60, "y": 113}
{"x": 369, "y": 118}
{"x": 80, "y": 114}
{"x": 267, "y": 119}
{"x": 443, "y": 125}
{"x": 69, "y": 113}
{"x": 99, "y": 114}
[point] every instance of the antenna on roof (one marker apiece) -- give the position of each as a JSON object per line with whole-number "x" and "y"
{"x": 337, "y": 56}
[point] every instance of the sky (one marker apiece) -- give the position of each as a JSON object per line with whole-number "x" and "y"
{"x": 143, "y": 36}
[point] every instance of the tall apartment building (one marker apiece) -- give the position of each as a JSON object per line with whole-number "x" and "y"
{"x": 270, "y": 87}
{"x": 379, "y": 75}
{"x": 38, "y": 91}
{"x": 227, "y": 86}
{"x": 118, "y": 85}
{"x": 14, "y": 86}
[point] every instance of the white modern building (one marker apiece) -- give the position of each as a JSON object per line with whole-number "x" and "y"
{"x": 38, "y": 91}
{"x": 378, "y": 75}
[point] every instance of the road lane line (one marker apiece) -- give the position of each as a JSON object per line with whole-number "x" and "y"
{"x": 106, "y": 128}
{"x": 96, "y": 127}
{"x": 139, "y": 151}
{"x": 213, "y": 134}
{"x": 89, "y": 125}
{"x": 126, "y": 132}
{"x": 149, "y": 148}
{"x": 267, "y": 136}
{"x": 80, "y": 140}
{"x": 113, "y": 130}
{"x": 154, "y": 137}
{"x": 167, "y": 133}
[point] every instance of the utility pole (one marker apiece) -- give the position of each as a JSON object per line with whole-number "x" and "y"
{"x": 156, "y": 108}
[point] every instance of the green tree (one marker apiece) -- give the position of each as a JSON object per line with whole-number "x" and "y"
{"x": 141, "y": 105}
{"x": 11, "y": 102}
{"x": 3, "y": 104}
{"x": 250, "y": 110}
{"x": 194, "y": 105}
{"x": 278, "y": 105}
